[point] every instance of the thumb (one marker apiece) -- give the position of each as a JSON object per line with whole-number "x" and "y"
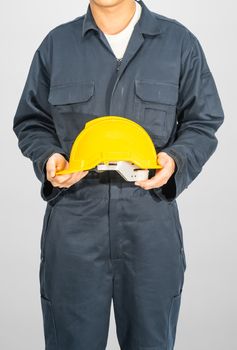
{"x": 51, "y": 166}
{"x": 52, "y": 173}
{"x": 60, "y": 162}
{"x": 52, "y": 170}
{"x": 56, "y": 162}
{"x": 162, "y": 158}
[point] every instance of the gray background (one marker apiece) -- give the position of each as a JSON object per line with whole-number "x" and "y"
{"x": 208, "y": 315}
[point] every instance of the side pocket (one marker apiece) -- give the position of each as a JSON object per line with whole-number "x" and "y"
{"x": 174, "y": 208}
{"x": 178, "y": 228}
{"x": 47, "y": 216}
{"x": 50, "y": 334}
{"x": 173, "y": 320}
{"x": 179, "y": 231}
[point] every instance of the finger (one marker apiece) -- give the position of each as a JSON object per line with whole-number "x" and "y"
{"x": 68, "y": 180}
{"x": 78, "y": 175}
{"x": 159, "y": 179}
{"x": 62, "y": 178}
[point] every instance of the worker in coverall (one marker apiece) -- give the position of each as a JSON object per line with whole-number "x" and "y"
{"x": 104, "y": 238}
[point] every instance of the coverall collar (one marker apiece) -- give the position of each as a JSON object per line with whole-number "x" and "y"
{"x": 147, "y": 23}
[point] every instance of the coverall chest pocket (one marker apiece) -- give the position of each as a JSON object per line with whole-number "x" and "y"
{"x": 75, "y": 97}
{"x": 155, "y": 108}
{"x": 72, "y": 105}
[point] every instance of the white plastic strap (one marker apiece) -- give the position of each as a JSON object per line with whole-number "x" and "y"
{"x": 129, "y": 171}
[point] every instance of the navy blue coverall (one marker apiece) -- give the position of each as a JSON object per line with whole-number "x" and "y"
{"x": 104, "y": 238}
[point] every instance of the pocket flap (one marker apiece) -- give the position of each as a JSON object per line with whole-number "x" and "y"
{"x": 157, "y": 92}
{"x": 71, "y": 93}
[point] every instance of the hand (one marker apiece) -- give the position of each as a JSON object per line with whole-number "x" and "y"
{"x": 162, "y": 175}
{"x": 58, "y": 162}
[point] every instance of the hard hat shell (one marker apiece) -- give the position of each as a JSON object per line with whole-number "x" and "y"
{"x": 111, "y": 138}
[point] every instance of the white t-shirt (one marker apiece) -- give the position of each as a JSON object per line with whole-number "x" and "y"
{"x": 119, "y": 41}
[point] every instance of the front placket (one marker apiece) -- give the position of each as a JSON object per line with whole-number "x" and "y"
{"x": 115, "y": 180}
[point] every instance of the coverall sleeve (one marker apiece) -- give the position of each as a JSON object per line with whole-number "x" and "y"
{"x": 199, "y": 115}
{"x": 33, "y": 124}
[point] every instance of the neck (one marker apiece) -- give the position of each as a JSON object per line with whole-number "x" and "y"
{"x": 113, "y": 18}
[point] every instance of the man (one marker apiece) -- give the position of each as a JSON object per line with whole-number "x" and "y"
{"x": 104, "y": 238}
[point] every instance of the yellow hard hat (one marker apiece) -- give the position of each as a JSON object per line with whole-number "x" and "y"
{"x": 109, "y": 139}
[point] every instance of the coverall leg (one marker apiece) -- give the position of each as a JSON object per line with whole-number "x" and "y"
{"x": 105, "y": 240}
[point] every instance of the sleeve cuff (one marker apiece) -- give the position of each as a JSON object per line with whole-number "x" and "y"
{"x": 48, "y": 191}
{"x": 172, "y": 188}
